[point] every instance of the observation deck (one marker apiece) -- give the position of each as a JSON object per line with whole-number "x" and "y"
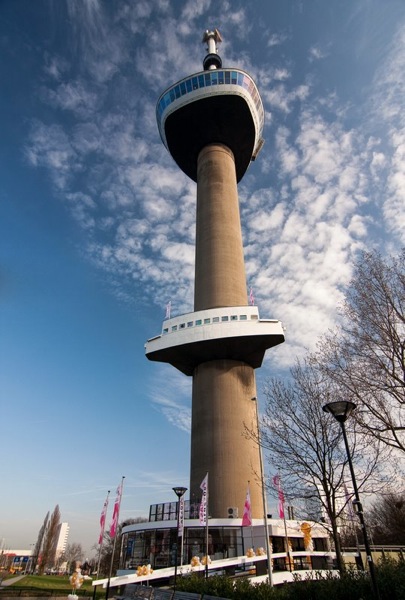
{"x": 215, "y": 106}
{"x": 233, "y": 333}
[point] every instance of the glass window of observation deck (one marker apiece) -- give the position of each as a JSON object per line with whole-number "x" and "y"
{"x": 246, "y": 83}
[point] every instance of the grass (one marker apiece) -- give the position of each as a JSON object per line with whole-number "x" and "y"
{"x": 32, "y": 585}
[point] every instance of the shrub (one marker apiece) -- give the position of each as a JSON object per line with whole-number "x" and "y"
{"x": 352, "y": 585}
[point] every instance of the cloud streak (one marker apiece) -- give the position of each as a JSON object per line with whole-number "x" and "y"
{"x": 310, "y": 203}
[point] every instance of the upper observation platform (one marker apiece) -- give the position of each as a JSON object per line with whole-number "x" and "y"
{"x": 217, "y": 106}
{"x": 233, "y": 332}
{"x": 213, "y": 106}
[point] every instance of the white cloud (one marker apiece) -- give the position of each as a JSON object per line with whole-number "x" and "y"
{"x": 135, "y": 13}
{"x": 378, "y": 163}
{"x": 86, "y": 138}
{"x": 279, "y": 97}
{"x": 172, "y": 397}
{"x": 73, "y": 96}
{"x": 191, "y": 10}
{"x": 55, "y": 66}
{"x": 275, "y": 39}
{"x": 49, "y": 146}
{"x": 316, "y": 53}
{"x": 393, "y": 210}
{"x": 306, "y": 210}
{"x": 82, "y": 205}
{"x": 303, "y": 235}
{"x": 182, "y": 253}
{"x": 388, "y": 101}
{"x": 102, "y": 47}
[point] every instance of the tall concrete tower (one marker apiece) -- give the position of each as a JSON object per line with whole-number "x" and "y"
{"x": 211, "y": 123}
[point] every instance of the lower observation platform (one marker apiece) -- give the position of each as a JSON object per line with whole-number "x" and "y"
{"x": 232, "y": 333}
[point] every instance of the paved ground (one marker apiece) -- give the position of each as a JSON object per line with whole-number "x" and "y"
{"x": 11, "y": 580}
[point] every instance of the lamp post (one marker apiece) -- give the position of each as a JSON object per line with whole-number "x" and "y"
{"x": 266, "y": 529}
{"x": 341, "y": 410}
{"x": 179, "y": 491}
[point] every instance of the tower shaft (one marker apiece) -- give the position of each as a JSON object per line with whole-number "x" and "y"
{"x": 219, "y": 270}
{"x": 222, "y": 389}
{"x": 221, "y": 407}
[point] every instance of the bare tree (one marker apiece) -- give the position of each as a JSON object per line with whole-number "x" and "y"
{"x": 108, "y": 546}
{"x": 73, "y": 553}
{"x": 365, "y": 357}
{"x": 387, "y": 518}
{"x": 50, "y": 541}
{"x": 305, "y": 445}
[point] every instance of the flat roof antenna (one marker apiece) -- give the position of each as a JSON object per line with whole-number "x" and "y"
{"x": 212, "y": 60}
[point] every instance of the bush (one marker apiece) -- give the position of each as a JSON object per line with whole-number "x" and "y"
{"x": 352, "y": 585}
{"x": 391, "y": 578}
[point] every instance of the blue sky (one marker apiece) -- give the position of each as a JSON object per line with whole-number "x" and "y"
{"x": 97, "y": 223}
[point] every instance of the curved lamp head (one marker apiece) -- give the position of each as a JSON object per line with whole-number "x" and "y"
{"x": 341, "y": 410}
{"x": 179, "y": 491}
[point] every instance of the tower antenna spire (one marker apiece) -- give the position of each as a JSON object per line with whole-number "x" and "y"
{"x": 212, "y": 59}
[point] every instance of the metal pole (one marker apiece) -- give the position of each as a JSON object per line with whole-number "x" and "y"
{"x": 102, "y": 536}
{"x": 266, "y": 529}
{"x": 179, "y": 491}
{"x": 115, "y": 539}
{"x": 287, "y": 547}
{"x": 181, "y": 501}
{"x": 177, "y": 545}
{"x": 206, "y": 533}
{"x": 359, "y": 512}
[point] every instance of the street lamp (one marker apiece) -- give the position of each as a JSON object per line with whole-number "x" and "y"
{"x": 179, "y": 491}
{"x": 341, "y": 410}
{"x": 266, "y": 529}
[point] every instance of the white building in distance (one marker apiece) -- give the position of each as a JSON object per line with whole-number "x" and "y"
{"x": 61, "y": 543}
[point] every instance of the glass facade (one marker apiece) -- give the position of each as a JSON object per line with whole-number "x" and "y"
{"x": 157, "y": 547}
{"x": 167, "y": 511}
